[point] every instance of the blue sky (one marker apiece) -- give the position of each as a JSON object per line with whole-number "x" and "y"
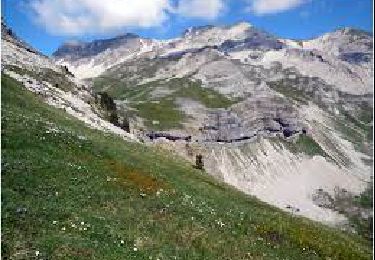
{"x": 46, "y": 24}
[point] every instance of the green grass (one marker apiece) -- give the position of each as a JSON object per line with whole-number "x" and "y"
{"x": 289, "y": 92}
{"x": 165, "y": 112}
{"x": 356, "y": 128}
{"x": 304, "y": 144}
{"x": 364, "y": 226}
{"x": 180, "y": 87}
{"x": 116, "y": 88}
{"x": 365, "y": 199}
{"x": 57, "y": 173}
{"x": 194, "y": 90}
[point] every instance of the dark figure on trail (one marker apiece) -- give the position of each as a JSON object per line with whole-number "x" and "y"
{"x": 198, "y": 162}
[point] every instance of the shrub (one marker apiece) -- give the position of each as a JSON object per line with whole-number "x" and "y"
{"x": 199, "y": 162}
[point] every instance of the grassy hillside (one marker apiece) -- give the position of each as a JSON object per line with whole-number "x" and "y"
{"x": 162, "y": 108}
{"x": 69, "y": 192}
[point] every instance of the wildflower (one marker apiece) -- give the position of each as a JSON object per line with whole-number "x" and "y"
{"x": 63, "y": 228}
{"x": 37, "y": 253}
{"x": 220, "y": 223}
{"x": 82, "y": 223}
{"x": 54, "y": 222}
{"x": 135, "y": 249}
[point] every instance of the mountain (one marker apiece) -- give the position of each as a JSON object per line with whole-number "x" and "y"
{"x": 264, "y": 112}
{"x": 287, "y": 121}
{"x": 91, "y": 59}
{"x": 346, "y": 52}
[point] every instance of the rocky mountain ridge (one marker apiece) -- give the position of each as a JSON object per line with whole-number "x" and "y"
{"x": 235, "y": 90}
{"x": 332, "y": 51}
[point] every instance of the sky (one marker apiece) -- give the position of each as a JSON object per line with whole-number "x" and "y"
{"x": 46, "y": 24}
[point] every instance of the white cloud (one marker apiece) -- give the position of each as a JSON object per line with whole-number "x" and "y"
{"x": 74, "y": 17}
{"x": 206, "y": 9}
{"x": 262, "y": 7}
{"x": 77, "y": 17}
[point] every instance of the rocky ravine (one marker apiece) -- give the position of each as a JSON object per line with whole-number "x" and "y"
{"x": 276, "y": 118}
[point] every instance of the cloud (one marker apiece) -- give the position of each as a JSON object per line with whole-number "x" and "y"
{"x": 263, "y": 7}
{"x": 75, "y": 17}
{"x": 206, "y": 9}
{"x": 78, "y": 17}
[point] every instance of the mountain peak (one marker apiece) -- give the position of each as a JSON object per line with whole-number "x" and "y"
{"x": 194, "y": 29}
{"x": 127, "y": 36}
{"x": 353, "y": 31}
{"x": 347, "y": 31}
{"x": 92, "y": 48}
{"x": 240, "y": 26}
{"x": 73, "y": 43}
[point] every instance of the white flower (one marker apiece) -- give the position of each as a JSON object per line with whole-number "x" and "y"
{"x": 220, "y": 223}
{"x": 135, "y": 249}
{"x": 63, "y": 228}
{"x": 122, "y": 241}
{"x": 82, "y": 223}
{"x": 54, "y": 222}
{"x": 37, "y": 252}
